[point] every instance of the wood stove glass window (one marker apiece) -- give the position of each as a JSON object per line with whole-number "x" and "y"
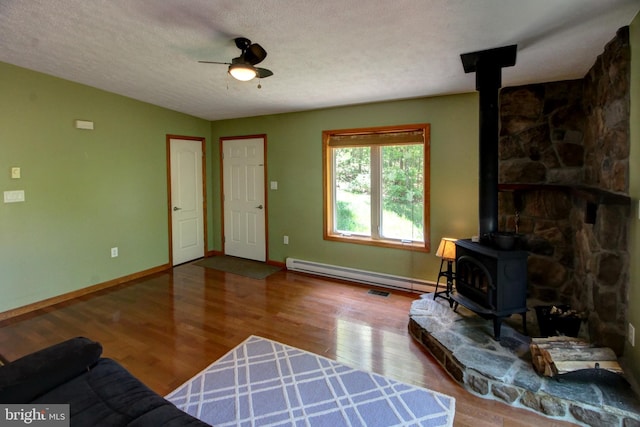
{"x": 374, "y": 186}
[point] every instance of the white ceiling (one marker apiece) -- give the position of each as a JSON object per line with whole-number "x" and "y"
{"x": 323, "y": 53}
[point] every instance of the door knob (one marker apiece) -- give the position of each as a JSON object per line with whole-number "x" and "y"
{"x": 175, "y": 208}
{"x": 259, "y": 207}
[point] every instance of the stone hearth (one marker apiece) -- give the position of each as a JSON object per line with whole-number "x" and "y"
{"x": 463, "y": 344}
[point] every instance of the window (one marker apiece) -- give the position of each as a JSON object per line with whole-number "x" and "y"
{"x": 376, "y": 186}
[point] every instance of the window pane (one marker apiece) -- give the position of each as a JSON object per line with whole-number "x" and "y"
{"x": 402, "y": 192}
{"x": 353, "y": 190}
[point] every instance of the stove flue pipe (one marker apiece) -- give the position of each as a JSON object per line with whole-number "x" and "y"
{"x": 488, "y": 64}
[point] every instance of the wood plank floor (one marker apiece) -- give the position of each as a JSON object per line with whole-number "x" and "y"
{"x": 167, "y": 327}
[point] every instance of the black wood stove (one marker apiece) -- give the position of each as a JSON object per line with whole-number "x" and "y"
{"x": 490, "y": 281}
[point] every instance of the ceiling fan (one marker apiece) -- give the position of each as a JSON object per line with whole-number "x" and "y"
{"x": 243, "y": 67}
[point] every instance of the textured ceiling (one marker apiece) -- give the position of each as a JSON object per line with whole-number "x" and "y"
{"x": 323, "y": 53}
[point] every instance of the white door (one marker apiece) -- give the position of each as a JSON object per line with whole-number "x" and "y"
{"x": 187, "y": 212}
{"x": 243, "y": 197}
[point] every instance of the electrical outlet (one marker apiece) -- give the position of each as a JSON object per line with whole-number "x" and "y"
{"x": 286, "y": 240}
{"x": 114, "y": 252}
{"x": 632, "y": 335}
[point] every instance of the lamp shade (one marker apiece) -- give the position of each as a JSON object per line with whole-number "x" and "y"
{"x": 447, "y": 248}
{"x": 242, "y": 72}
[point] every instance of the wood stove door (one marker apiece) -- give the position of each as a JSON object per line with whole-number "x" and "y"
{"x": 474, "y": 281}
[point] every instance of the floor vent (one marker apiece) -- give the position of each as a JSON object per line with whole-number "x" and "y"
{"x": 378, "y": 293}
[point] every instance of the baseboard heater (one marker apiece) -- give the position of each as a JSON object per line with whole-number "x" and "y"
{"x": 360, "y": 276}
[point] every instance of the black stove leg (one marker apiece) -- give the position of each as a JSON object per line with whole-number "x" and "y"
{"x": 497, "y": 323}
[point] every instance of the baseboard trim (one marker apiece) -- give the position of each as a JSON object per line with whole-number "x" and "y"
{"x": 282, "y": 265}
{"x": 80, "y": 292}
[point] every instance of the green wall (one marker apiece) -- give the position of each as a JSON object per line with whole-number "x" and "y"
{"x": 294, "y": 160}
{"x": 88, "y": 191}
{"x": 85, "y": 191}
{"x": 632, "y": 354}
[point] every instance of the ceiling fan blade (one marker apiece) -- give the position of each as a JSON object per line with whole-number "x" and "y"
{"x": 261, "y": 73}
{"x": 242, "y": 43}
{"x": 214, "y": 62}
{"x": 254, "y": 54}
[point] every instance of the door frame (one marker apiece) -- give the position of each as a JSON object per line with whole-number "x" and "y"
{"x": 203, "y": 143}
{"x": 223, "y": 139}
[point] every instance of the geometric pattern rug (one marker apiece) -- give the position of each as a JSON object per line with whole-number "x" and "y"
{"x": 266, "y": 383}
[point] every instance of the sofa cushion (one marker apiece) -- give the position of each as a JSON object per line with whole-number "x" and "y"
{"x": 108, "y": 395}
{"x": 30, "y": 376}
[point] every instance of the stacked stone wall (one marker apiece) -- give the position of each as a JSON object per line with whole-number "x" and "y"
{"x": 556, "y": 138}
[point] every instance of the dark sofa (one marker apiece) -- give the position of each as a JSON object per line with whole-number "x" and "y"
{"x": 99, "y": 391}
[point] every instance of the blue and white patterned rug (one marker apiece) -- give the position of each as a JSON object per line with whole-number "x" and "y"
{"x": 266, "y": 383}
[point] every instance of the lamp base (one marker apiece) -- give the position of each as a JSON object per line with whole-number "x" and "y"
{"x": 448, "y": 275}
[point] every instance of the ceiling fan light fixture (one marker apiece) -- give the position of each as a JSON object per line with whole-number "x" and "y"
{"x": 242, "y": 72}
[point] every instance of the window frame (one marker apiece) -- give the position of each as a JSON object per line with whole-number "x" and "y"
{"x": 328, "y": 190}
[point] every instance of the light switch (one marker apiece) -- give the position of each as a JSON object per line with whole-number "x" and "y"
{"x": 84, "y": 124}
{"x": 14, "y": 196}
{"x": 274, "y": 185}
{"x": 15, "y": 173}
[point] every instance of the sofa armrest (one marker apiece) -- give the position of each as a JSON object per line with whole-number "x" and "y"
{"x": 26, "y": 378}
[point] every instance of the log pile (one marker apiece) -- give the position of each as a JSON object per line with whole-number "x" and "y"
{"x": 558, "y": 355}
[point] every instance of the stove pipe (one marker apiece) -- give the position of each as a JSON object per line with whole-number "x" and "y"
{"x": 488, "y": 64}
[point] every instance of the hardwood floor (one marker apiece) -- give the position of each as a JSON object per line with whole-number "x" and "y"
{"x": 167, "y": 327}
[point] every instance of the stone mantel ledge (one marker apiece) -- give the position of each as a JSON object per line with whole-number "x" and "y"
{"x": 463, "y": 344}
{"x": 590, "y": 194}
